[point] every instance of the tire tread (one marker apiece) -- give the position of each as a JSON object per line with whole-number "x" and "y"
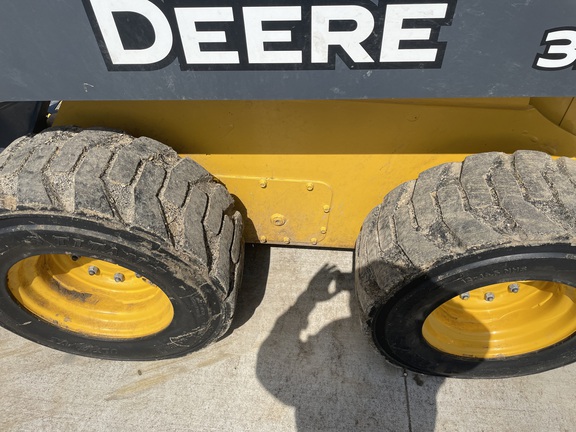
{"x": 488, "y": 201}
{"x": 136, "y": 183}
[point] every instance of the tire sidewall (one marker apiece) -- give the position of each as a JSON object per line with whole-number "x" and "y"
{"x": 397, "y": 325}
{"x": 199, "y": 312}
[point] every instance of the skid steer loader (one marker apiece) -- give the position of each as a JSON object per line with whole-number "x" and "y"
{"x": 189, "y": 127}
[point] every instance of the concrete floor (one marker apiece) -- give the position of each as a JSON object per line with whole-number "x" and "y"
{"x": 296, "y": 360}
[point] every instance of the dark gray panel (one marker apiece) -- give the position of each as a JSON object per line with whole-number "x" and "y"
{"x": 48, "y": 51}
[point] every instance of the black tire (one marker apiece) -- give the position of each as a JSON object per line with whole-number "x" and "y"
{"x": 491, "y": 219}
{"x": 131, "y": 201}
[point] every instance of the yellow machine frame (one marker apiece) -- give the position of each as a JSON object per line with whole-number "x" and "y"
{"x": 308, "y": 172}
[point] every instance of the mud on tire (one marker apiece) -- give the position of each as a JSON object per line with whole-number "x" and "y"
{"x": 492, "y": 219}
{"x": 131, "y": 201}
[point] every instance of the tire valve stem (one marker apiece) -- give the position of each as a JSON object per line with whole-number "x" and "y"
{"x": 119, "y": 277}
{"x": 513, "y": 288}
{"x": 489, "y": 296}
{"x": 465, "y": 296}
{"x": 93, "y": 270}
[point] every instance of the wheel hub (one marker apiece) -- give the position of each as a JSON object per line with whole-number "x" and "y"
{"x": 90, "y": 297}
{"x": 503, "y": 320}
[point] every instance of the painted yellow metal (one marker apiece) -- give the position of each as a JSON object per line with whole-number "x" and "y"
{"x": 285, "y": 211}
{"x": 569, "y": 119}
{"x": 359, "y": 150}
{"x": 495, "y": 322}
{"x": 553, "y": 108}
{"x": 90, "y": 297}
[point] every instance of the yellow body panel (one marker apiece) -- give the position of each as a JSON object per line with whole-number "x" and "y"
{"x": 356, "y": 151}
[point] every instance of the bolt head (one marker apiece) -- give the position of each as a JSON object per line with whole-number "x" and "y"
{"x": 119, "y": 277}
{"x": 93, "y": 270}
{"x": 513, "y": 288}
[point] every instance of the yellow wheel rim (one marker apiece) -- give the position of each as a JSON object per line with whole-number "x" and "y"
{"x": 503, "y": 320}
{"x": 90, "y": 297}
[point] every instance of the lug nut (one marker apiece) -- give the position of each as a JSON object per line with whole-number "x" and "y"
{"x": 489, "y": 296}
{"x": 119, "y": 277}
{"x": 93, "y": 270}
{"x": 465, "y": 296}
{"x": 514, "y": 288}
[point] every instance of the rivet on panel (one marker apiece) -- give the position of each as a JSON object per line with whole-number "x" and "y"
{"x": 310, "y": 186}
{"x": 326, "y": 208}
{"x": 287, "y": 240}
{"x": 278, "y": 219}
{"x": 323, "y": 230}
{"x": 263, "y": 239}
{"x": 263, "y": 183}
{"x": 314, "y": 240}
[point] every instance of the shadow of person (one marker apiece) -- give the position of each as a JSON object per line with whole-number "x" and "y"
{"x": 333, "y": 378}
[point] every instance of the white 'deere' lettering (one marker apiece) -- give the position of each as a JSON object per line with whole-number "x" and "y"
{"x": 158, "y": 51}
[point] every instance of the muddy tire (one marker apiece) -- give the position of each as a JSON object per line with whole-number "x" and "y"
{"x": 114, "y": 247}
{"x": 469, "y": 270}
